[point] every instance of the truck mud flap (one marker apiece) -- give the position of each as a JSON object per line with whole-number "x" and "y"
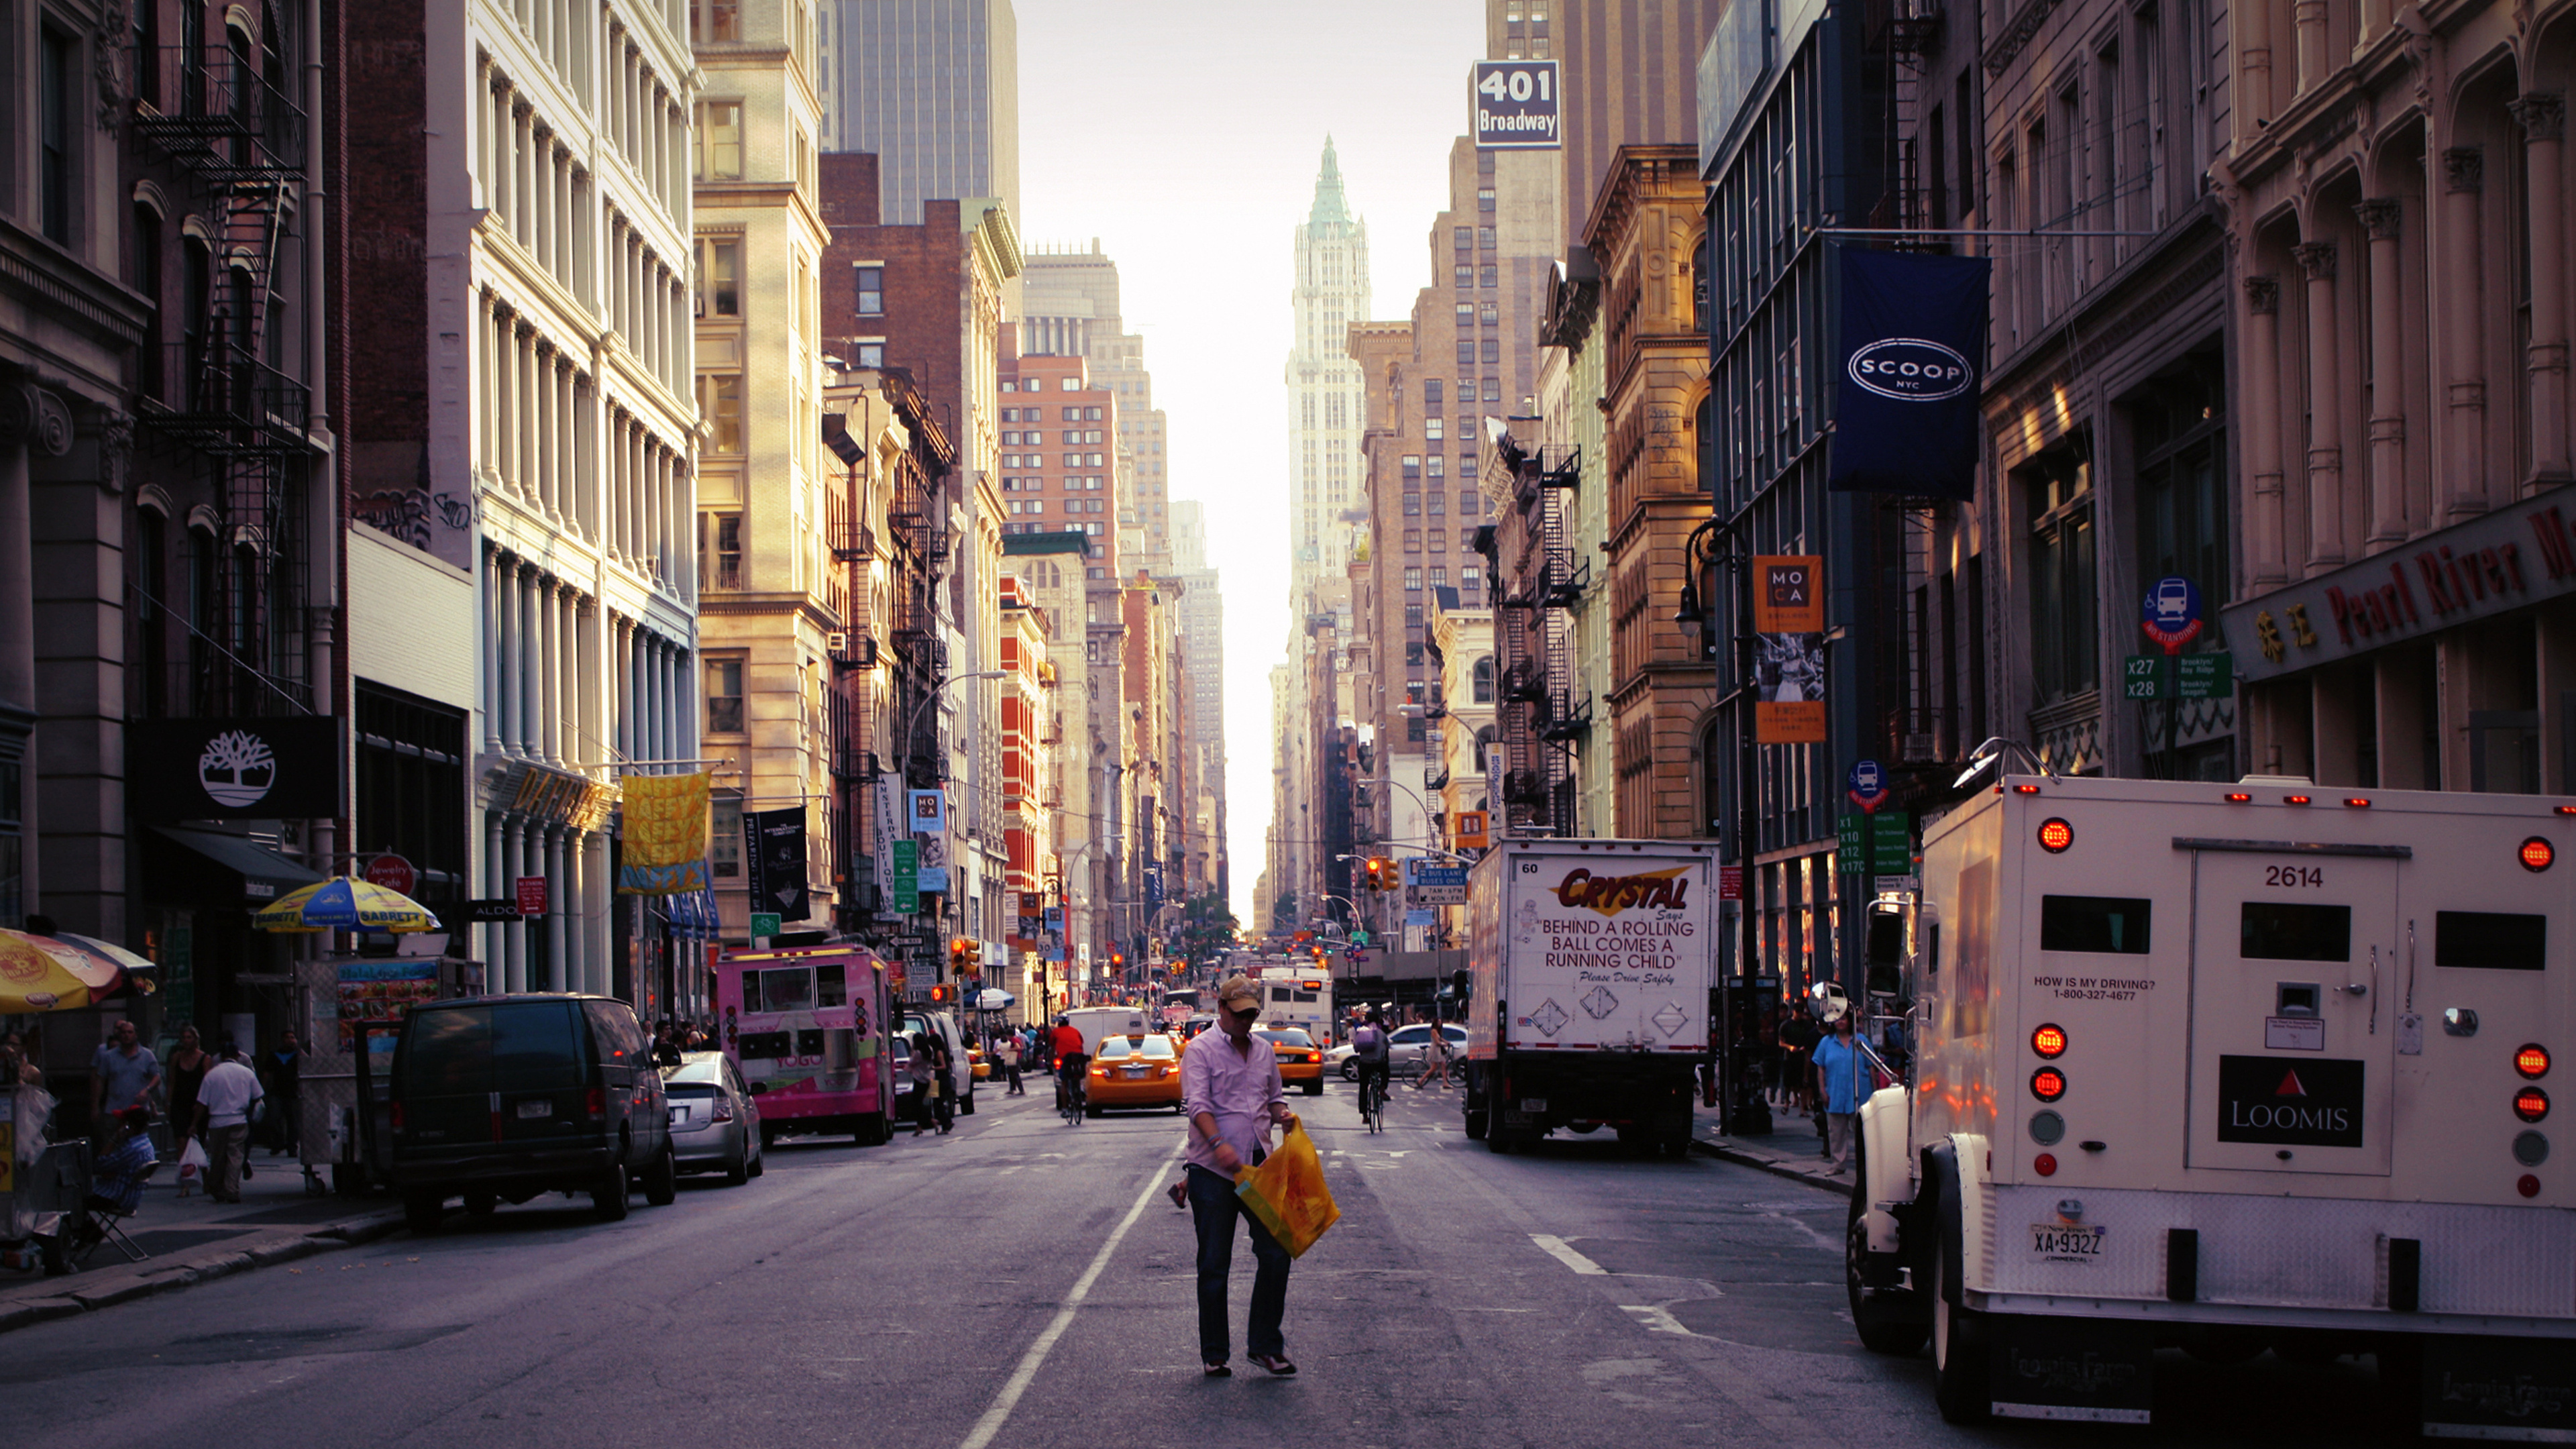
{"x": 2095, "y": 1370}
{"x": 2516, "y": 1389}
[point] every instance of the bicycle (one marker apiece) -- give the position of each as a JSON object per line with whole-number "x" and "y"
{"x": 1373, "y": 1100}
{"x": 1073, "y": 1100}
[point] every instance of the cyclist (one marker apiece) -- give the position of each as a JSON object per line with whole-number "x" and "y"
{"x": 1070, "y": 1062}
{"x": 1368, "y": 1048}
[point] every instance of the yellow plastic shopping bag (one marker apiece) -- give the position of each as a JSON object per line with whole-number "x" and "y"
{"x": 1287, "y": 1193}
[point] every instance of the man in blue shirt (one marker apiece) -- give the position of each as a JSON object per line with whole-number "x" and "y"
{"x": 1843, "y": 1081}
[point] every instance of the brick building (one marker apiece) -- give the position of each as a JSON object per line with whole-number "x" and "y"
{"x": 1059, "y": 454}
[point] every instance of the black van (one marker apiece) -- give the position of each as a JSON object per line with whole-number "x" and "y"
{"x": 500, "y": 1098}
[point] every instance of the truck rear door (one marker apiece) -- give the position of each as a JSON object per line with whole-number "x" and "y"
{"x": 2295, "y": 969}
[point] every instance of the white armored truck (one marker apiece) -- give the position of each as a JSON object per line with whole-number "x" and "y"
{"x": 2227, "y": 1067}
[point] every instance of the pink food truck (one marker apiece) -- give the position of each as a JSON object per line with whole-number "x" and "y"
{"x": 806, "y": 1027}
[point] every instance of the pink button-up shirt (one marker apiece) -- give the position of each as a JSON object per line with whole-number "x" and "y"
{"x": 1241, "y": 1089}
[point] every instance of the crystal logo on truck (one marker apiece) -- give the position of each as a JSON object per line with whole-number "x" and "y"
{"x": 1654, "y": 890}
{"x": 2298, "y": 1104}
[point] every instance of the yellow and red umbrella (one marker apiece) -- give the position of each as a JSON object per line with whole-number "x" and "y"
{"x": 39, "y": 973}
{"x": 346, "y": 903}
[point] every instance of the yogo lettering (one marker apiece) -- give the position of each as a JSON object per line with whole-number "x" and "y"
{"x": 1654, "y": 890}
{"x": 1911, "y": 369}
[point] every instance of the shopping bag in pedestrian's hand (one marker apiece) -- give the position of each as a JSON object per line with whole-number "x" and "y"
{"x": 192, "y": 1161}
{"x": 1287, "y": 1193}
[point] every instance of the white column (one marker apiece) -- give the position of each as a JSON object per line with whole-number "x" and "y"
{"x": 558, "y": 900}
{"x": 524, "y": 657}
{"x": 493, "y": 582}
{"x": 576, "y": 910}
{"x": 2325, "y": 401}
{"x": 496, "y": 886}
{"x": 601, "y": 948}
{"x": 549, "y": 670}
{"x": 513, "y": 964}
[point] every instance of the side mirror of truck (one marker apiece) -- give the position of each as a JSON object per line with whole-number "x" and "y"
{"x": 1885, "y": 951}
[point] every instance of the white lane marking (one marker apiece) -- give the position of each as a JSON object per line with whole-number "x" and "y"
{"x": 1000, "y": 1411}
{"x": 1555, "y": 1247}
{"x": 1654, "y": 1318}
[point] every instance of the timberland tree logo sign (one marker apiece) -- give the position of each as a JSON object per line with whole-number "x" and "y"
{"x": 237, "y": 768}
{"x": 2293, "y": 1103}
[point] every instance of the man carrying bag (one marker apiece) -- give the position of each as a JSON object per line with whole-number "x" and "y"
{"x": 1230, "y": 1090}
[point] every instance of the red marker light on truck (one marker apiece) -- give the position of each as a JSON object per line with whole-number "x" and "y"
{"x": 2537, "y": 854}
{"x": 2048, "y": 1084}
{"x": 2532, "y": 1061}
{"x": 2357, "y": 802}
{"x": 2527, "y": 1185}
{"x": 2025, "y": 789}
{"x": 2045, "y": 1164}
{"x": 2294, "y": 799}
{"x": 2049, "y": 1040}
{"x": 2055, "y": 835}
{"x": 2531, "y": 1104}
{"x": 2239, "y": 797}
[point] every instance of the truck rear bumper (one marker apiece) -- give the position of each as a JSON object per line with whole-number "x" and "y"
{"x": 2337, "y": 1320}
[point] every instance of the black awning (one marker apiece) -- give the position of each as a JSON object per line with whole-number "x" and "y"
{"x": 219, "y": 868}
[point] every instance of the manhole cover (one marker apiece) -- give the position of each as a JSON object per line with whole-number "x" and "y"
{"x": 1550, "y": 1018}
{"x": 1599, "y": 1002}
{"x": 1671, "y": 1018}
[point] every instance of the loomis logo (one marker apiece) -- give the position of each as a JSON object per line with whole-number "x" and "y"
{"x": 1911, "y": 369}
{"x": 2312, "y": 1103}
{"x": 1612, "y": 894}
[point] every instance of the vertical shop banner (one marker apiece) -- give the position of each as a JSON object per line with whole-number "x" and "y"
{"x": 666, "y": 822}
{"x": 929, "y": 826}
{"x": 891, "y": 807}
{"x": 773, "y": 853}
{"x": 1789, "y": 649}
{"x": 1913, "y": 348}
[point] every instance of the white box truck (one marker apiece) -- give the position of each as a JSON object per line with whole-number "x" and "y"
{"x": 2225, "y": 1067}
{"x": 1590, "y": 965}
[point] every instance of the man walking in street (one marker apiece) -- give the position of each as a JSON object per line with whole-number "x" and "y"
{"x": 122, "y": 1073}
{"x": 1230, "y": 1089}
{"x": 224, "y": 1102}
{"x": 1842, "y": 1078}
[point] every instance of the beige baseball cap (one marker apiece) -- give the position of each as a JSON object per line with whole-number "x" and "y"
{"x": 1237, "y": 988}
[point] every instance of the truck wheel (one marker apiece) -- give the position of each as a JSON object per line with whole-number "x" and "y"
{"x": 421, "y": 1212}
{"x": 1886, "y": 1322}
{"x": 1478, "y": 1123}
{"x": 1958, "y": 1352}
{"x": 608, "y": 1199}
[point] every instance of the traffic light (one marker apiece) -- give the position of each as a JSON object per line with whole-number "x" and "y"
{"x": 965, "y": 957}
{"x": 1383, "y": 875}
{"x": 941, "y": 995}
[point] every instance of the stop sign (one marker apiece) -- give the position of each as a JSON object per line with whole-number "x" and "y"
{"x": 393, "y": 873}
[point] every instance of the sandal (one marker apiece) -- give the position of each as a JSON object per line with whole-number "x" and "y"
{"x": 1277, "y": 1363}
{"x": 1217, "y": 1370}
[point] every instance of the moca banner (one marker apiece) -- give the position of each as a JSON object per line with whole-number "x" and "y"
{"x": 1789, "y": 650}
{"x": 287, "y": 768}
{"x": 1913, "y": 348}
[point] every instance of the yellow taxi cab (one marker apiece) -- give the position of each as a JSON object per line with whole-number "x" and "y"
{"x": 983, "y": 1068}
{"x": 1301, "y": 1062}
{"x": 1135, "y": 1071}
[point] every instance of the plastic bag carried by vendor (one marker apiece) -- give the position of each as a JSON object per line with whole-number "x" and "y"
{"x": 1287, "y": 1193}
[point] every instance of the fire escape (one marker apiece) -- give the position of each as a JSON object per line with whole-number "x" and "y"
{"x": 1548, "y": 710}
{"x": 222, "y": 116}
{"x": 920, "y": 540}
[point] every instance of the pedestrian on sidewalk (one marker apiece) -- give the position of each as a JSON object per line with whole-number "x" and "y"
{"x": 282, "y": 1076}
{"x": 224, "y": 1104}
{"x": 188, "y": 1067}
{"x": 1230, "y": 1089}
{"x": 122, "y": 1074}
{"x": 1011, "y": 1066}
{"x": 1842, "y": 1078}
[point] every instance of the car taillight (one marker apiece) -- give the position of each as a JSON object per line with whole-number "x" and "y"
{"x": 2048, "y": 1084}
{"x": 2049, "y": 1040}
{"x": 2531, "y": 1104}
{"x": 2532, "y": 1060}
{"x": 596, "y": 1102}
{"x": 724, "y": 1109}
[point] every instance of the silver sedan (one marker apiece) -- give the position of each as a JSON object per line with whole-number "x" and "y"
{"x": 715, "y": 1123}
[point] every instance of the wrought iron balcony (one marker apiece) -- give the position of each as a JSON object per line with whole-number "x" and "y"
{"x": 221, "y": 399}
{"x": 210, "y": 110}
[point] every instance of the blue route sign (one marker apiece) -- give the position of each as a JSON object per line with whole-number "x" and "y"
{"x": 1867, "y": 786}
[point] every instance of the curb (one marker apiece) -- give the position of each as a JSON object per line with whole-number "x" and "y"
{"x": 1773, "y": 1165}
{"x": 73, "y": 1301}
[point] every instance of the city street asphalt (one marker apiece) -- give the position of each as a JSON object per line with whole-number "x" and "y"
{"x": 1023, "y": 1282}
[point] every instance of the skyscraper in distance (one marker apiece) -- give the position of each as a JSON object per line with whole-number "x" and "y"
{"x": 1324, "y": 383}
{"x": 933, "y": 88}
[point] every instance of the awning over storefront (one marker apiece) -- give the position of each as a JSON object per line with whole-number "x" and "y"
{"x": 217, "y": 866}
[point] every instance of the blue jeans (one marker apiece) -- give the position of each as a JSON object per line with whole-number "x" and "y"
{"x": 1213, "y": 1208}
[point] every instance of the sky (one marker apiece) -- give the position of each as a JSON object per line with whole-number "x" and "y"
{"x": 1185, "y": 135}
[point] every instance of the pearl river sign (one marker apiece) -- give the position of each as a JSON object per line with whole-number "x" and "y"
{"x": 2518, "y": 555}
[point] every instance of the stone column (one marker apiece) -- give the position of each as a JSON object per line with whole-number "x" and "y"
{"x": 2325, "y": 407}
{"x": 2314, "y": 66}
{"x": 496, "y": 886}
{"x": 558, "y": 902}
{"x": 2253, "y": 25}
{"x": 2544, "y": 127}
{"x": 2379, "y": 218}
{"x": 575, "y": 910}
{"x": 2268, "y": 555}
{"x": 32, "y": 422}
{"x": 514, "y": 938}
{"x": 2462, "y": 308}
{"x": 528, "y": 660}
{"x": 548, "y": 639}
{"x": 492, "y": 633}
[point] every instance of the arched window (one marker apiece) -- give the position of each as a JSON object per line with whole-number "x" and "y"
{"x": 1484, "y": 680}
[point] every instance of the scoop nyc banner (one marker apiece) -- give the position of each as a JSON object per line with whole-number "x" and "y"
{"x": 1913, "y": 351}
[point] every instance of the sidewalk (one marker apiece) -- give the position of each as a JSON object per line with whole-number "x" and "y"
{"x": 193, "y": 1239}
{"x": 1792, "y": 1149}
